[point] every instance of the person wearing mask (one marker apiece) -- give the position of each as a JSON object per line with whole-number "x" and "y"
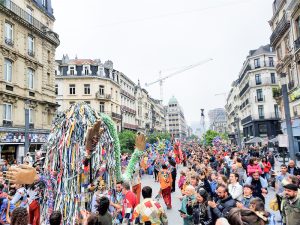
{"x": 165, "y": 180}
{"x": 129, "y": 202}
{"x": 55, "y": 218}
{"x": 259, "y": 184}
{"x": 293, "y": 170}
{"x": 224, "y": 204}
{"x": 187, "y": 199}
{"x": 279, "y": 182}
{"x": 235, "y": 189}
{"x": 149, "y": 211}
{"x": 247, "y": 197}
{"x": 199, "y": 209}
{"x": 291, "y": 207}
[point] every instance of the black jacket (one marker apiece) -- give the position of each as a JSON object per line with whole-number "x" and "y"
{"x": 296, "y": 171}
{"x": 201, "y": 214}
{"x": 224, "y": 206}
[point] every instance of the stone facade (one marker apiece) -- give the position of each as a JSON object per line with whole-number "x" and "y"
{"x": 27, "y": 50}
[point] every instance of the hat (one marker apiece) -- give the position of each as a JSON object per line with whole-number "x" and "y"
{"x": 292, "y": 187}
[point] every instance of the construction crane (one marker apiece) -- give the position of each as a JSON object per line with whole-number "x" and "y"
{"x": 162, "y": 79}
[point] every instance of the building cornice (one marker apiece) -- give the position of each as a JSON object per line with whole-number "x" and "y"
{"x": 69, "y": 77}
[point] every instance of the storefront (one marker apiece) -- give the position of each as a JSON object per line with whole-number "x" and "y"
{"x": 12, "y": 144}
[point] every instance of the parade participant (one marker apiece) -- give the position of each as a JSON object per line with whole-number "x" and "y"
{"x": 156, "y": 168}
{"x": 199, "y": 209}
{"x": 235, "y": 189}
{"x": 20, "y": 197}
{"x": 188, "y": 199}
{"x": 55, "y": 218}
{"x": 19, "y": 216}
{"x": 291, "y": 207}
{"x": 172, "y": 168}
{"x": 259, "y": 184}
{"x": 224, "y": 204}
{"x": 136, "y": 183}
{"x": 149, "y": 211}
{"x": 28, "y": 159}
{"x": 165, "y": 180}
{"x": 129, "y": 203}
{"x": 247, "y": 197}
{"x": 34, "y": 205}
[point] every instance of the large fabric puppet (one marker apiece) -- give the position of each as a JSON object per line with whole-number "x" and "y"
{"x": 177, "y": 152}
{"x": 83, "y": 153}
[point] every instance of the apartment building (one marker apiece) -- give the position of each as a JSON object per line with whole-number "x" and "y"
{"x": 91, "y": 81}
{"x": 158, "y": 115}
{"x": 285, "y": 39}
{"x": 27, "y": 51}
{"x": 128, "y": 103}
{"x": 175, "y": 121}
{"x": 217, "y": 120}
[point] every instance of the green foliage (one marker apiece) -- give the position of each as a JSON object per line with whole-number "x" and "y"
{"x": 209, "y": 136}
{"x": 127, "y": 141}
{"x": 152, "y": 138}
{"x": 224, "y": 136}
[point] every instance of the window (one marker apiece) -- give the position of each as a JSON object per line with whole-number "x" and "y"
{"x": 102, "y": 107}
{"x": 30, "y": 79}
{"x": 259, "y": 95}
{"x": 276, "y": 110}
{"x": 9, "y": 34}
{"x": 262, "y": 129}
{"x": 101, "y": 89}
{"x": 72, "y": 70}
{"x": 72, "y": 89}
{"x": 31, "y": 115}
{"x": 257, "y": 79}
{"x": 86, "y": 70}
{"x": 271, "y": 61}
{"x": 30, "y": 45}
{"x": 56, "y": 89}
{"x": 49, "y": 79}
{"x": 87, "y": 89}
{"x": 7, "y": 112}
{"x": 44, "y": 3}
{"x": 101, "y": 71}
{"x": 279, "y": 52}
{"x": 256, "y": 63}
{"x": 7, "y": 70}
{"x": 30, "y": 15}
{"x": 261, "y": 112}
{"x": 273, "y": 79}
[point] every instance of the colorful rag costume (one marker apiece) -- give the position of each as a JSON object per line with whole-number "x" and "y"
{"x": 165, "y": 180}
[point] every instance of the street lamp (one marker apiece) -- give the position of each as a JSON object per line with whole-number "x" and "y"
{"x": 122, "y": 111}
{"x": 286, "y": 106}
{"x": 26, "y": 147}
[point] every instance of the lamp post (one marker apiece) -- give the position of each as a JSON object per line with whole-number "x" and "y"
{"x": 122, "y": 111}
{"x": 26, "y": 147}
{"x": 286, "y": 106}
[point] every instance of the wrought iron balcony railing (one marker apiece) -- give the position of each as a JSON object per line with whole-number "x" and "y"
{"x": 280, "y": 30}
{"x": 297, "y": 44}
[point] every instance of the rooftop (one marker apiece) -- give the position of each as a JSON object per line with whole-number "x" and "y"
{"x": 173, "y": 100}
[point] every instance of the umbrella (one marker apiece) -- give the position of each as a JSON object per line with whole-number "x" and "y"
{"x": 255, "y": 140}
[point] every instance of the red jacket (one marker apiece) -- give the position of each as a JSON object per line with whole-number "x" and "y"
{"x": 267, "y": 167}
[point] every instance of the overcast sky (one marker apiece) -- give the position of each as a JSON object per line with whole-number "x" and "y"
{"x": 142, "y": 37}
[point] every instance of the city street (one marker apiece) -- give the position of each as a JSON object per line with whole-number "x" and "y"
{"x": 173, "y": 214}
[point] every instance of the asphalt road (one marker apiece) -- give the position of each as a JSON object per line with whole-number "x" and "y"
{"x": 173, "y": 214}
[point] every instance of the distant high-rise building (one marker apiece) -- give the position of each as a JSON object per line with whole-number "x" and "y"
{"x": 176, "y": 124}
{"x": 217, "y": 120}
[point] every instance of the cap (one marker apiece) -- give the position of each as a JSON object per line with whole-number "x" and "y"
{"x": 292, "y": 187}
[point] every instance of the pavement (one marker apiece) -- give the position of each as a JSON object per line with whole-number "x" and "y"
{"x": 173, "y": 214}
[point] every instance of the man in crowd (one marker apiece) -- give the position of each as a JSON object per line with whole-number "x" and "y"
{"x": 224, "y": 204}
{"x": 149, "y": 211}
{"x": 165, "y": 180}
{"x": 259, "y": 184}
{"x": 293, "y": 170}
{"x": 291, "y": 207}
{"x": 280, "y": 179}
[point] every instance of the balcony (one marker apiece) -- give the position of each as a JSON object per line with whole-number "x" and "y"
{"x": 9, "y": 41}
{"x": 30, "y": 53}
{"x": 116, "y": 116}
{"x": 246, "y": 120}
{"x": 129, "y": 110}
{"x": 297, "y": 44}
{"x": 279, "y": 31}
{"x": 127, "y": 95}
{"x": 28, "y": 20}
{"x": 260, "y": 99}
{"x": 245, "y": 88}
{"x": 7, "y": 123}
{"x": 267, "y": 116}
{"x": 102, "y": 96}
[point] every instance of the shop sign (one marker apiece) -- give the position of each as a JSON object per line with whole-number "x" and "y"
{"x": 18, "y": 137}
